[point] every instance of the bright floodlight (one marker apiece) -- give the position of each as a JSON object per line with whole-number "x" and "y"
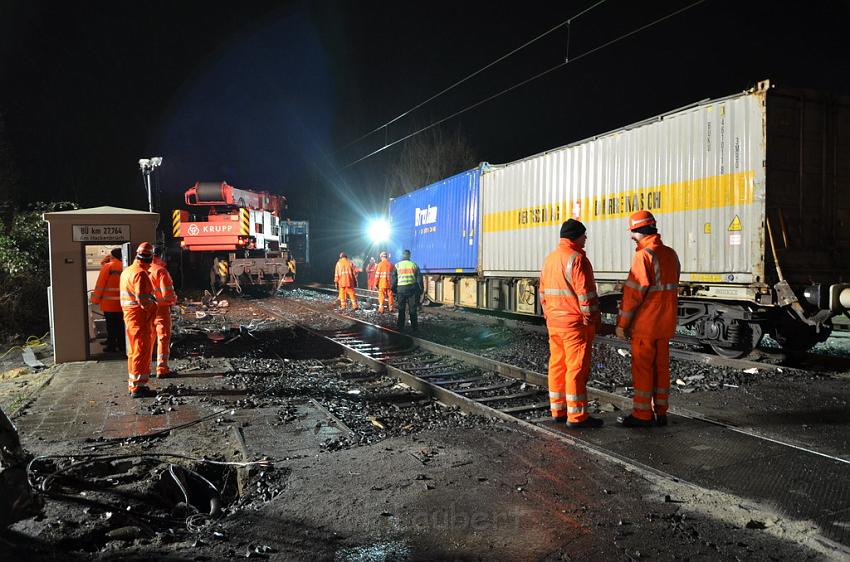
{"x": 379, "y": 231}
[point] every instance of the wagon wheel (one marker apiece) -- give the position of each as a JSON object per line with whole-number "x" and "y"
{"x": 748, "y": 335}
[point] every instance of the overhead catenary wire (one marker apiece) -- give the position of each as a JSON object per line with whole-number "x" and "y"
{"x": 524, "y": 82}
{"x": 451, "y": 87}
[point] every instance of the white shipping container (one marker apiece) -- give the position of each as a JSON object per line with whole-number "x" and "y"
{"x": 700, "y": 170}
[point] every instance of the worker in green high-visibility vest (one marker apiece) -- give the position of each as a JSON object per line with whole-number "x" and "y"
{"x": 407, "y": 283}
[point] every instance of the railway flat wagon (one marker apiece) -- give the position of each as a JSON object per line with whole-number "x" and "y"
{"x": 752, "y": 191}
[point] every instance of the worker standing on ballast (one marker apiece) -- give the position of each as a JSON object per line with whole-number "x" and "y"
{"x": 571, "y": 307}
{"x": 407, "y": 283}
{"x": 384, "y": 280}
{"x": 648, "y": 315}
{"x": 163, "y": 289}
{"x": 107, "y": 295}
{"x": 345, "y": 279}
{"x": 139, "y": 306}
{"x": 370, "y": 275}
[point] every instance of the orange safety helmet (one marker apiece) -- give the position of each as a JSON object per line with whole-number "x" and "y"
{"x": 639, "y": 219}
{"x": 145, "y": 251}
{"x": 384, "y": 255}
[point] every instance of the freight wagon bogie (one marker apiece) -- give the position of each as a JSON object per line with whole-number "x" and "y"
{"x": 731, "y": 329}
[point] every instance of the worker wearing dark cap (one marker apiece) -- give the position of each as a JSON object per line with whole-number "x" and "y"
{"x": 139, "y": 306}
{"x": 571, "y": 307}
{"x": 107, "y": 295}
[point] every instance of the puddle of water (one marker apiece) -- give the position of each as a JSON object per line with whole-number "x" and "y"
{"x": 379, "y": 552}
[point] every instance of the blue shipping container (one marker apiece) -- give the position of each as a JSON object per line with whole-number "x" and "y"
{"x": 439, "y": 224}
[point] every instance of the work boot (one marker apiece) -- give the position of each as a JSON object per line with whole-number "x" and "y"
{"x": 631, "y": 421}
{"x": 143, "y": 392}
{"x": 559, "y": 420}
{"x": 587, "y": 422}
{"x": 661, "y": 420}
{"x": 165, "y": 375}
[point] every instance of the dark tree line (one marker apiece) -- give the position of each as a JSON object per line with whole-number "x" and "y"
{"x": 24, "y": 254}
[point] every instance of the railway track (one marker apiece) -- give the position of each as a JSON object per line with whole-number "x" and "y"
{"x": 696, "y": 449}
{"x": 773, "y": 359}
{"x": 508, "y": 389}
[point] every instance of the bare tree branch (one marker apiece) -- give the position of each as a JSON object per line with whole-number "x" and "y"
{"x": 427, "y": 158}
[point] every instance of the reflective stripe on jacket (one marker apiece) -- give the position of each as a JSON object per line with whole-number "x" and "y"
{"x": 567, "y": 288}
{"x": 650, "y": 296}
{"x": 137, "y": 289}
{"x": 107, "y": 292}
{"x": 407, "y": 272}
{"x": 345, "y": 275}
{"x": 163, "y": 286}
{"x": 384, "y": 274}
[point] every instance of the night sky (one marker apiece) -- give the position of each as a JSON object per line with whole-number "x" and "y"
{"x": 266, "y": 94}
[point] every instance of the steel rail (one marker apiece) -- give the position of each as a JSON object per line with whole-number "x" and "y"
{"x": 519, "y": 374}
{"x": 683, "y": 354}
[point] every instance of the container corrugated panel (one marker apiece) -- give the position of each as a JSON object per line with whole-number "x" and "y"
{"x": 439, "y": 224}
{"x": 699, "y": 170}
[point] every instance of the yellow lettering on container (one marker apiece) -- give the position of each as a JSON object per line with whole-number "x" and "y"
{"x": 703, "y": 193}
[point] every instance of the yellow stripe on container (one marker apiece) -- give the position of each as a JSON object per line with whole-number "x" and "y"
{"x": 691, "y": 195}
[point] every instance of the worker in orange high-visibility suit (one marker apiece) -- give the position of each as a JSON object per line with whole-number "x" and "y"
{"x": 648, "y": 315}
{"x": 345, "y": 279}
{"x": 139, "y": 306}
{"x": 107, "y": 295}
{"x": 384, "y": 281}
{"x": 571, "y": 307}
{"x": 163, "y": 290}
{"x": 371, "y": 279}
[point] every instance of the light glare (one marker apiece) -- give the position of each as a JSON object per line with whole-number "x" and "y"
{"x": 379, "y": 231}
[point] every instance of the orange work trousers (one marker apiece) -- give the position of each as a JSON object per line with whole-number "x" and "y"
{"x": 569, "y": 367}
{"x": 347, "y": 292}
{"x": 161, "y": 338}
{"x": 650, "y": 377}
{"x": 384, "y": 295}
{"x": 139, "y": 329}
